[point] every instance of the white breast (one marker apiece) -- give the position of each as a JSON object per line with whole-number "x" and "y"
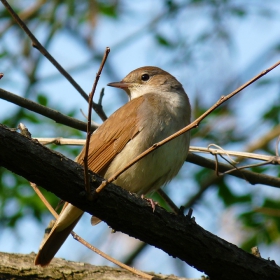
{"x": 159, "y": 117}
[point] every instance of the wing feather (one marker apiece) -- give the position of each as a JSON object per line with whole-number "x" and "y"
{"x": 111, "y": 137}
{"x": 105, "y": 143}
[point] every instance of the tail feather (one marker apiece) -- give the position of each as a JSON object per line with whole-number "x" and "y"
{"x": 65, "y": 223}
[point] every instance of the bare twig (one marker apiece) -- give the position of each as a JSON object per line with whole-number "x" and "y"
{"x": 106, "y": 53}
{"x": 262, "y": 141}
{"x": 24, "y": 131}
{"x": 38, "y": 46}
{"x": 247, "y": 166}
{"x": 61, "y": 141}
{"x": 168, "y": 200}
{"x": 102, "y": 93}
{"x": 44, "y": 111}
{"x": 187, "y": 128}
{"x": 252, "y": 177}
{"x": 195, "y": 149}
{"x": 222, "y": 150}
{"x": 25, "y": 14}
{"x": 235, "y": 153}
{"x": 97, "y": 251}
{"x": 93, "y": 123}
{"x": 46, "y": 203}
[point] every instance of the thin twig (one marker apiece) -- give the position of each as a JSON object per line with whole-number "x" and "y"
{"x": 216, "y": 165}
{"x": 102, "y": 93}
{"x": 24, "y": 131}
{"x": 254, "y": 178}
{"x": 61, "y": 141}
{"x": 93, "y": 123}
{"x": 169, "y": 201}
{"x": 97, "y": 251}
{"x": 195, "y": 149}
{"x": 185, "y": 129}
{"x": 223, "y": 151}
{"x": 247, "y": 166}
{"x": 106, "y": 53}
{"x": 44, "y": 111}
{"x": 136, "y": 252}
{"x": 235, "y": 153}
{"x": 41, "y": 196}
{"x": 36, "y": 44}
{"x": 25, "y": 14}
{"x": 262, "y": 141}
{"x": 235, "y": 168}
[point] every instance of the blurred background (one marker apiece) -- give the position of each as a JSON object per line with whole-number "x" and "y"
{"x": 212, "y": 47}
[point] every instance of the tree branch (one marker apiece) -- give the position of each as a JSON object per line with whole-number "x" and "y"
{"x": 252, "y": 177}
{"x": 177, "y": 235}
{"x": 44, "y": 111}
{"x": 21, "y": 266}
{"x": 36, "y": 44}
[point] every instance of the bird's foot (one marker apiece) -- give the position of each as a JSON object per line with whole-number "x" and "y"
{"x": 152, "y": 202}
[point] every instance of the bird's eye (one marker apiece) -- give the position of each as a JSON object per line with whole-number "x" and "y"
{"x": 145, "y": 77}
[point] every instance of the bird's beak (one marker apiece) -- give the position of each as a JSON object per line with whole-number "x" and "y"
{"x": 121, "y": 84}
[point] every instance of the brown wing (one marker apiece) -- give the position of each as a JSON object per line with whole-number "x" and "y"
{"x": 105, "y": 143}
{"x": 110, "y": 138}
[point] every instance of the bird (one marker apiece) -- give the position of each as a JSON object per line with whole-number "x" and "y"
{"x": 158, "y": 106}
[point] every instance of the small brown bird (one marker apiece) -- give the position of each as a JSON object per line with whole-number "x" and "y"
{"x": 158, "y": 107}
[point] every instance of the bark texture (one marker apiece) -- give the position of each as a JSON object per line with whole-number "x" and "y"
{"x": 21, "y": 266}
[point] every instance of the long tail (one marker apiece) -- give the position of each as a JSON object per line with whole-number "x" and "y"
{"x": 65, "y": 223}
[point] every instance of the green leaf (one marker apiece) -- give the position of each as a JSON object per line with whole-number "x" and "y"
{"x": 42, "y": 99}
{"x": 229, "y": 198}
{"x": 108, "y": 10}
{"x": 163, "y": 41}
{"x": 273, "y": 114}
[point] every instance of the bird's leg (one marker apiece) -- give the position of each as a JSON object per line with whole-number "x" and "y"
{"x": 152, "y": 202}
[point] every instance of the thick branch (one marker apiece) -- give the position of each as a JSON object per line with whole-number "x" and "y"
{"x": 177, "y": 235}
{"x": 21, "y": 266}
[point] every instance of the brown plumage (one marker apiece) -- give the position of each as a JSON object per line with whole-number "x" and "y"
{"x": 110, "y": 138}
{"x": 158, "y": 108}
